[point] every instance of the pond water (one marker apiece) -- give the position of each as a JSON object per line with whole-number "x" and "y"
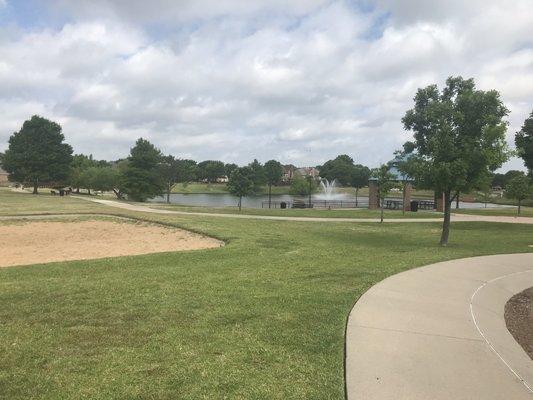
{"x": 227, "y": 200}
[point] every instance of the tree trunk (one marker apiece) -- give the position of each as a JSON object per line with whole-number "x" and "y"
{"x": 457, "y": 200}
{"x": 89, "y": 192}
{"x": 403, "y": 198}
{"x": 446, "y": 223}
{"x": 382, "y": 201}
{"x": 77, "y": 190}
{"x": 519, "y": 205}
{"x": 356, "y": 195}
{"x": 35, "y": 188}
{"x": 168, "y": 196}
{"x": 269, "y": 194}
{"x": 240, "y": 201}
{"x": 309, "y": 206}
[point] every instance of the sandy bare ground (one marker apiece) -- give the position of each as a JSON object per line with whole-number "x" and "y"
{"x": 32, "y": 242}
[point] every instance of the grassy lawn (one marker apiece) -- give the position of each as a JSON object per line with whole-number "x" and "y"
{"x": 13, "y": 203}
{"x": 196, "y": 187}
{"x": 261, "y": 318}
{"x": 507, "y": 212}
{"x": 338, "y": 213}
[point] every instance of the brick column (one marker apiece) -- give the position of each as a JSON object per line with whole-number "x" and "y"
{"x": 373, "y": 195}
{"x": 439, "y": 202}
{"x": 407, "y": 189}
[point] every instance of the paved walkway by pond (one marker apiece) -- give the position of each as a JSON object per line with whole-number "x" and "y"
{"x": 455, "y": 217}
{"x": 438, "y": 332}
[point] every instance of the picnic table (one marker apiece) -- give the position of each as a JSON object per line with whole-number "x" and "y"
{"x": 426, "y": 204}
{"x": 393, "y": 204}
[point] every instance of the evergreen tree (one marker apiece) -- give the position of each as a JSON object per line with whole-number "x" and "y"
{"x": 37, "y": 154}
{"x": 142, "y": 174}
{"x": 524, "y": 143}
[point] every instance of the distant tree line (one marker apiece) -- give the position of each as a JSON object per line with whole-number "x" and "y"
{"x": 459, "y": 141}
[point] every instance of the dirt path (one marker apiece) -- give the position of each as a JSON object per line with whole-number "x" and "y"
{"x": 35, "y": 241}
{"x": 455, "y": 217}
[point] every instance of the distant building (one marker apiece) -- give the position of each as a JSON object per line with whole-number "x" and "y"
{"x": 307, "y": 171}
{"x": 288, "y": 173}
{"x": 4, "y": 178}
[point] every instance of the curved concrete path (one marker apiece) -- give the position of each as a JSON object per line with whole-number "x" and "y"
{"x": 438, "y": 332}
{"x": 455, "y": 217}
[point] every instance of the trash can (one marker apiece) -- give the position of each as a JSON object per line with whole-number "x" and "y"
{"x": 282, "y": 205}
{"x": 414, "y": 206}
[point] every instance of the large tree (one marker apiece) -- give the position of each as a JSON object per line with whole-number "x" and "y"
{"x": 518, "y": 188}
{"x": 37, "y": 154}
{"x": 241, "y": 183}
{"x": 211, "y": 170}
{"x": 273, "y": 174}
{"x": 174, "y": 171}
{"x": 385, "y": 183}
{"x": 459, "y": 139}
{"x": 360, "y": 176}
{"x": 229, "y": 168}
{"x": 524, "y": 143}
{"x": 80, "y": 163}
{"x": 169, "y": 174}
{"x": 258, "y": 175}
{"x": 340, "y": 168}
{"x": 142, "y": 175}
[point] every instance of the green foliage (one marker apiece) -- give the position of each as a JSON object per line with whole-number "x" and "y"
{"x": 241, "y": 183}
{"x": 102, "y": 178}
{"x": 303, "y": 187}
{"x": 519, "y": 188}
{"x": 524, "y": 142}
{"x": 459, "y": 138}
{"x": 211, "y": 170}
{"x": 258, "y": 175}
{"x": 385, "y": 181}
{"x": 79, "y": 176}
{"x": 37, "y": 154}
{"x": 340, "y": 168}
{"x": 229, "y": 168}
{"x": 343, "y": 169}
{"x": 174, "y": 171}
{"x": 273, "y": 172}
{"x": 498, "y": 180}
{"x": 187, "y": 170}
{"x": 142, "y": 175}
{"x": 360, "y": 176}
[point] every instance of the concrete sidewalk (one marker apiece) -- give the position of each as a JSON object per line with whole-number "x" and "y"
{"x": 438, "y": 332}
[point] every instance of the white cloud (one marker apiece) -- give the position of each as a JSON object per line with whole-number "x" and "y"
{"x": 243, "y": 80}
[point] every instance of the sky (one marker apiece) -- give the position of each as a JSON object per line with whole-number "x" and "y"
{"x": 299, "y": 81}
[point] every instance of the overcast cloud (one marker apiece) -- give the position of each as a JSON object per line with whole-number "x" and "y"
{"x": 237, "y": 80}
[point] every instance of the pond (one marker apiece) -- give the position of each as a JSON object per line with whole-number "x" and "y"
{"x": 227, "y": 200}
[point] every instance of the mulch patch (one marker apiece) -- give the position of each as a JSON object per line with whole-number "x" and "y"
{"x": 519, "y": 319}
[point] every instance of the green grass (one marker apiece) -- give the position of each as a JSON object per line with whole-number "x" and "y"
{"x": 261, "y": 318}
{"x": 506, "y": 212}
{"x": 196, "y": 187}
{"x": 13, "y": 203}
{"x": 337, "y": 213}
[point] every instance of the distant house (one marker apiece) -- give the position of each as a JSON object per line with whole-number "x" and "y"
{"x": 307, "y": 171}
{"x": 4, "y": 178}
{"x": 288, "y": 173}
